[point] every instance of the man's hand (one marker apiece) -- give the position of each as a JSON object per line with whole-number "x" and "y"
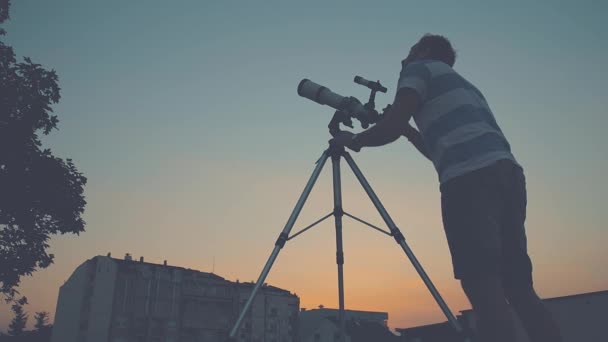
{"x": 345, "y": 138}
{"x": 409, "y": 132}
{"x": 416, "y": 139}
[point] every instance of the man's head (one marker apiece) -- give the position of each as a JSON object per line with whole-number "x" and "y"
{"x": 432, "y": 46}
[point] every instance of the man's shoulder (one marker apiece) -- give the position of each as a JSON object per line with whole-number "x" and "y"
{"x": 435, "y": 67}
{"x": 426, "y": 70}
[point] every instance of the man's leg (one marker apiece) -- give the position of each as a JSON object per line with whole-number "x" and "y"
{"x": 471, "y": 208}
{"x": 517, "y": 266}
{"x": 535, "y": 317}
{"x": 487, "y": 297}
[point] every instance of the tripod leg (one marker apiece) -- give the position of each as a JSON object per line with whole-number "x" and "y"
{"x": 396, "y": 233}
{"x": 281, "y": 240}
{"x": 338, "y": 213}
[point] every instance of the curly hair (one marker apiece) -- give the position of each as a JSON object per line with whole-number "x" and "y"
{"x": 439, "y": 47}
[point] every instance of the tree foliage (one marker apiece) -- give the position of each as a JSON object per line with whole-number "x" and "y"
{"x": 40, "y": 194}
{"x": 42, "y": 320}
{"x": 17, "y": 325}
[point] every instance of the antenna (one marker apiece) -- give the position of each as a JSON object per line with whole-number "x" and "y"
{"x": 213, "y": 269}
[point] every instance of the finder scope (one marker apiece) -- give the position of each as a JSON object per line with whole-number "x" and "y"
{"x": 376, "y": 86}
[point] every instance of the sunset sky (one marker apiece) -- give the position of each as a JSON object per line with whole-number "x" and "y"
{"x": 184, "y": 117}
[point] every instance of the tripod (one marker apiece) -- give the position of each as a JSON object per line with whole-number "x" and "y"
{"x": 336, "y": 153}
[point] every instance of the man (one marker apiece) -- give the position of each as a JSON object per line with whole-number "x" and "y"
{"x": 483, "y": 194}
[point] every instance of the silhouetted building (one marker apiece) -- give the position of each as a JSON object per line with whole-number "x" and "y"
{"x": 112, "y": 300}
{"x": 322, "y": 325}
{"x": 439, "y": 332}
{"x": 581, "y": 318}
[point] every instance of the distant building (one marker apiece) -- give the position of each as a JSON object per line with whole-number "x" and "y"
{"x": 115, "y": 300}
{"x": 439, "y": 332}
{"x": 581, "y": 318}
{"x": 322, "y": 325}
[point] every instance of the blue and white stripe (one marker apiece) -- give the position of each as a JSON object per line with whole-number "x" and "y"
{"x": 455, "y": 121}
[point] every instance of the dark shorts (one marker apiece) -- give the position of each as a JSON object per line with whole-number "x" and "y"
{"x": 483, "y": 216}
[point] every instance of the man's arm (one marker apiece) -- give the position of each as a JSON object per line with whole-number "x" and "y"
{"x": 416, "y": 139}
{"x": 393, "y": 122}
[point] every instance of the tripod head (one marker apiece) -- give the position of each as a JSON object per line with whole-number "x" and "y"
{"x": 347, "y": 108}
{"x": 341, "y": 117}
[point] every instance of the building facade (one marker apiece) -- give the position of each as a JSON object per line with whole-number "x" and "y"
{"x": 122, "y": 300}
{"x": 322, "y": 325}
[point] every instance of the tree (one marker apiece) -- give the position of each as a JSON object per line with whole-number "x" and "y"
{"x": 41, "y": 195}
{"x": 17, "y": 325}
{"x": 42, "y": 320}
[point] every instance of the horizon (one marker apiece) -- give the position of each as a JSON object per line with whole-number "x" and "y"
{"x": 165, "y": 263}
{"x": 186, "y": 122}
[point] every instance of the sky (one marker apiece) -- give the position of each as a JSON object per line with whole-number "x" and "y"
{"x": 185, "y": 119}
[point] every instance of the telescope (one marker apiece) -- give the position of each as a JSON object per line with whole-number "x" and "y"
{"x": 346, "y": 107}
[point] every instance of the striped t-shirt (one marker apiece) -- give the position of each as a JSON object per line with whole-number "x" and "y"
{"x": 457, "y": 126}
